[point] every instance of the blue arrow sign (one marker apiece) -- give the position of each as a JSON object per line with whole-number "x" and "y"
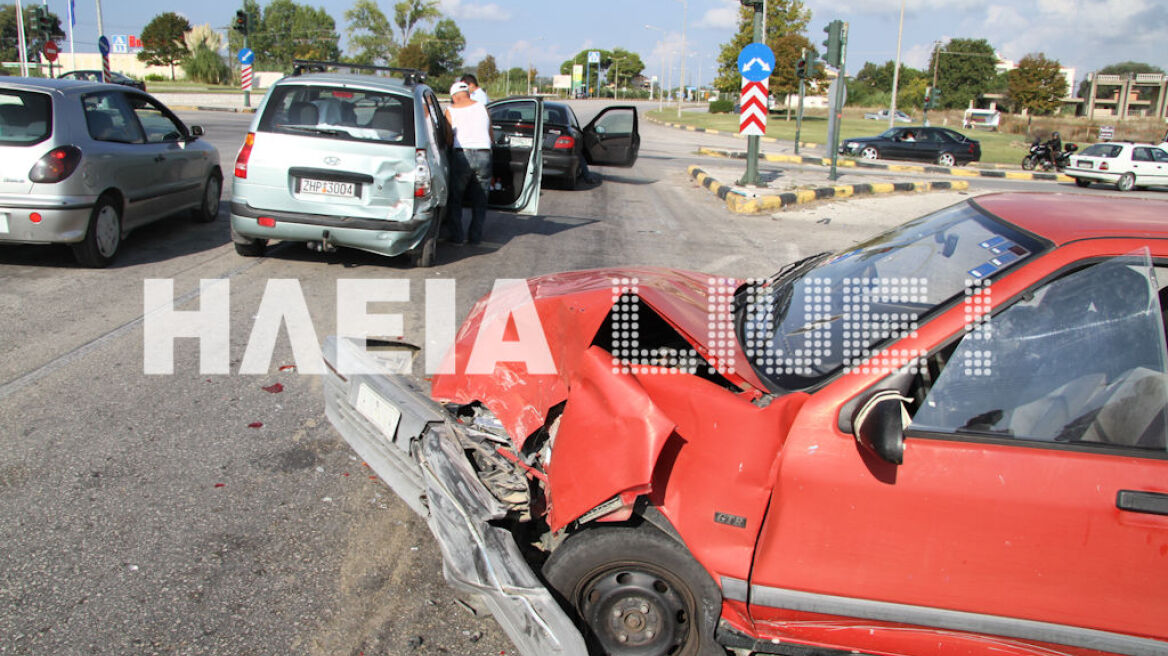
{"x": 246, "y": 56}
{"x": 103, "y": 45}
{"x": 756, "y": 62}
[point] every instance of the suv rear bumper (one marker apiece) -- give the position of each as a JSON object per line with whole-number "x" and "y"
{"x": 375, "y": 235}
{"x": 423, "y": 460}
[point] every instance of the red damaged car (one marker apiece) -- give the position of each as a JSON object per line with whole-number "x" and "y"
{"x": 947, "y": 440}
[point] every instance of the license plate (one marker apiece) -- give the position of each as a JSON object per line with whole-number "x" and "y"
{"x": 1084, "y": 164}
{"x": 521, "y": 142}
{"x": 328, "y": 188}
{"x": 378, "y": 411}
{"x": 4, "y": 223}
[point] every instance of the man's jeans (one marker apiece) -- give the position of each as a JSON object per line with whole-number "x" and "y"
{"x": 470, "y": 170}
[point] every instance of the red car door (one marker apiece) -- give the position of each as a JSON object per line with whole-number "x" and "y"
{"x": 1030, "y": 510}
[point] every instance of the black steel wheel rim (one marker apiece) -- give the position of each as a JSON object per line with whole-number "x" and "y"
{"x": 634, "y": 609}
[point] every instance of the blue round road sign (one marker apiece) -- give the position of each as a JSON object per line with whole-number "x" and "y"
{"x": 246, "y": 56}
{"x": 103, "y": 45}
{"x": 756, "y": 62}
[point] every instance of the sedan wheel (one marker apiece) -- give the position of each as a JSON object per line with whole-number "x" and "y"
{"x": 946, "y": 159}
{"x": 870, "y": 152}
{"x": 102, "y": 237}
{"x": 1083, "y": 182}
{"x": 1127, "y": 182}
{"x": 212, "y": 190}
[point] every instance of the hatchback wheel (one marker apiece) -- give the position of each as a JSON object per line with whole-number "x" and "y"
{"x": 1127, "y": 182}
{"x": 870, "y": 152}
{"x": 1083, "y": 182}
{"x": 946, "y": 159}
{"x": 103, "y": 236}
{"x": 212, "y": 190}
{"x": 252, "y": 248}
{"x": 637, "y": 592}
{"x": 425, "y": 254}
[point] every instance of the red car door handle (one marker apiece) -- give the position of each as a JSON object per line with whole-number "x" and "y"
{"x": 1152, "y": 503}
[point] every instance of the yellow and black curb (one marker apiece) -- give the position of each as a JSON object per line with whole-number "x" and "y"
{"x": 692, "y": 128}
{"x": 740, "y": 203}
{"x": 198, "y": 108}
{"x": 898, "y": 168}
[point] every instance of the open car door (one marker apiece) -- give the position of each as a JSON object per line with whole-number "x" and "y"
{"x": 517, "y": 160}
{"x": 611, "y": 138}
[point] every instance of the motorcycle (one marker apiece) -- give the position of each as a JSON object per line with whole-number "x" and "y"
{"x": 1039, "y": 157}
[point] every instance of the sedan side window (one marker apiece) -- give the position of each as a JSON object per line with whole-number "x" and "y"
{"x": 618, "y": 123}
{"x": 1160, "y": 155}
{"x": 159, "y": 125}
{"x": 109, "y": 118}
{"x": 1080, "y": 360}
{"x": 1142, "y": 155}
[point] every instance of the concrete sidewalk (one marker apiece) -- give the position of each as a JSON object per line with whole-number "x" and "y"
{"x": 219, "y": 102}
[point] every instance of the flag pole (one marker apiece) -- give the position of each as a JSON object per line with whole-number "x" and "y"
{"x": 72, "y": 22}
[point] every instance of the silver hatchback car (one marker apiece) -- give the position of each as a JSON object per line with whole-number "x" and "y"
{"x": 83, "y": 163}
{"x": 359, "y": 161}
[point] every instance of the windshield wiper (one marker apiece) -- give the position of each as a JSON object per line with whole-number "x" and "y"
{"x": 315, "y": 130}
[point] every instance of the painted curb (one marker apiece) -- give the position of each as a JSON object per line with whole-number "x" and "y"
{"x": 198, "y": 108}
{"x": 899, "y": 168}
{"x": 740, "y": 203}
{"x": 691, "y": 128}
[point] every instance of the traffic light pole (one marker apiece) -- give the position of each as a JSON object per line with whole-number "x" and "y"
{"x": 799, "y": 117}
{"x": 752, "y": 142}
{"x": 837, "y": 48}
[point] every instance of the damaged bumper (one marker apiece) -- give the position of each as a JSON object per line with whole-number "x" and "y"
{"x": 412, "y": 443}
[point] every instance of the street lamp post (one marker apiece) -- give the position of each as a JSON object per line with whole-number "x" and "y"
{"x": 660, "y": 91}
{"x": 684, "y": 20}
{"x": 896, "y": 71}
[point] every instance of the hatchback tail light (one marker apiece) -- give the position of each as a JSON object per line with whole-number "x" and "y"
{"x": 565, "y": 142}
{"x": 421, "y": 175}
{"x": 244, "y": 155}
{"x": 56, "y": 165}
{"x": 1103, "y": 166}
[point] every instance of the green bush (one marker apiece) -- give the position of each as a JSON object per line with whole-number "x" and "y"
{"x": 721, "y": 106}
{"x": 204, "y": 65}
{"x": 155, "y": 77}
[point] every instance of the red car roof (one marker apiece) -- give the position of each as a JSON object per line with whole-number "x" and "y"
{"x": 1063, "y": 218}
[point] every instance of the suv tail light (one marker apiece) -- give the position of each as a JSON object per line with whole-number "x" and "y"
{"x": 421, "y": 174}
{"x": 1103, "y": 166}
{"x": 56, "y": 165}
{"x": 565, "y": 142}
{"x": 244, "y": 155}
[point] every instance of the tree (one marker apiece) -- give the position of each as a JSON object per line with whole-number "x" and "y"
{"x": 204, "y": 63}
{"x": 623, "y": 67}
{"x": 411, "y": 56}
{"x": 487, "y": 71}
{"x": 966, "y": 69}
{"x": 872, "y": 85}
{"x": 370, "y": 34}
{"x": 33, "y": 39}
{"x": 408, "y": 14}
{"x": 1122, "y": 68}
{"x": 286, "y": 30}
{"x": 203, "y": 35}
{"x": 162, "y": 41}
{"x": 786, "y": 20}
{"x": 1037, "y": 86}
{"x": 443, "y": 48}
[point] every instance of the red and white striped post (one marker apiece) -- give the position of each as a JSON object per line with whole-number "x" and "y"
{"x": 245, "y": 77}
{"x": 103, "y": 46}
{"x": 753, "y": 108}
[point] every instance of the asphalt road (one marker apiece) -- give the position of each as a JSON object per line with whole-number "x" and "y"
{"x": 141, "y": 514}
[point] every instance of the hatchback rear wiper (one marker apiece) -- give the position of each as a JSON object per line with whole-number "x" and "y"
{"x": 315, "y": 130}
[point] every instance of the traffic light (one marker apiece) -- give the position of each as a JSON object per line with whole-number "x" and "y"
{"x": 801, "y": 69}
{"x": 812, "y": 67}
{"x": 38, "y": 14}
{"x": 240, "y": 24}
{"x": 928, "y": 96}
{"x": 935, "y": 100}
{"x": 833, "y": 55}
{"x": 46, "y": 24}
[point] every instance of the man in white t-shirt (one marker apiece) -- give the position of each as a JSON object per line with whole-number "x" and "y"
{"x": 471, "y": 164}
{"x": 476, "y": 92}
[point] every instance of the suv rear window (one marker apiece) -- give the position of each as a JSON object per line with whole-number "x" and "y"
{"x": 26, "y": 117}
{"x": 1102, "y": 150}
{"x": 340, "y": 113}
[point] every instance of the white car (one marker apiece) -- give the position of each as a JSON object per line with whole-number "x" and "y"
{"x": 1128, "y": 165}
{"x": 882, "y": 115}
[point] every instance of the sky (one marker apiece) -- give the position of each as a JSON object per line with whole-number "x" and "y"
{"x": 1084, "y": 34}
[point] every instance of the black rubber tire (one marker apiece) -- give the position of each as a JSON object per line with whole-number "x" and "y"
{"x": 640, "y": 583}
{"x": 1126, "y": 182}
{"x": 1083, "y": 182}
{"x": 424, "y": 255}
{"x": 254, "y": 248}
{"x": 208, "y": 210}
{"x": 1028, "y": 163}
{"x": 869, "y": 152}
{"x": 947, "y": 159}
{"x": 101, "y": 242}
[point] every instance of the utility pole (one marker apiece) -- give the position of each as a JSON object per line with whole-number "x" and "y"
{"x": 802, "y": 74}
{"x": 896, "y": 71}
{"x": 752, "y": 141}
{"x": 929, "y": 96}
{"x": 684, "y": 20}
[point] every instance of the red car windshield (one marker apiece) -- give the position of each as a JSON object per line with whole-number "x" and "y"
{"x": 829, "y": 313}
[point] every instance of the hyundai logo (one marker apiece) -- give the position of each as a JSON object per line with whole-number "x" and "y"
{"x": 332, "y": 161}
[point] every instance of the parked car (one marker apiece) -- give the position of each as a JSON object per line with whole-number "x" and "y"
{"x": 83, "y": 164}
{"x": 1128, "y": 165}
{"x": 362, "y": 161}
{"x": 612, "y": 138}
{"x": 95, "y": 76}
{"x": 941, "y": 145}
{"x": 940, "y": 441}
{"x": 882, "y": 115}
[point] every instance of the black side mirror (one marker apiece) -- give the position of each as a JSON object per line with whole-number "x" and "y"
{"x": 197, "y": 131}
{"x": 879, "y": 426}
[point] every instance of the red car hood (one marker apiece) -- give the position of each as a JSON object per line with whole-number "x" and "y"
{"x": 572, "y": 308}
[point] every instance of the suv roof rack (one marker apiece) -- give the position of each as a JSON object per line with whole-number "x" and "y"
{"x": 409, "y": 75}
